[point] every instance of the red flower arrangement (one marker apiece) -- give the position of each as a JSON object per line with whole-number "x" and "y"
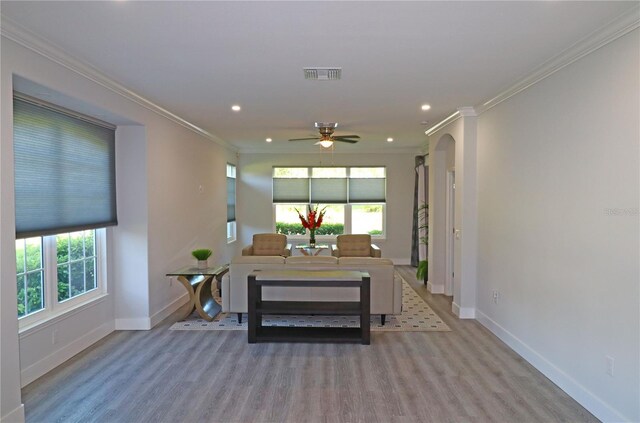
{"x": 313, "y": 221}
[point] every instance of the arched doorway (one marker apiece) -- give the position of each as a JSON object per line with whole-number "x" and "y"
{"x": 442, "y": 216}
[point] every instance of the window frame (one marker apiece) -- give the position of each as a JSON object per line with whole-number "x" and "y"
{"x": 54, "y": 308}
{"x": 348, "y": 213}
{"x": 232, "y": 226}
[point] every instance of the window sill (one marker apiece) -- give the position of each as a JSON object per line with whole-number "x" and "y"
{"x": 58, "y": 317}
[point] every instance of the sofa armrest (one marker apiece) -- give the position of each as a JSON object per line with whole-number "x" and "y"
{"x": 375, "y": 251}
{"x": 335, "y": 251}
{"x": 287, "y": 251}
{"x": 248, "y": 250}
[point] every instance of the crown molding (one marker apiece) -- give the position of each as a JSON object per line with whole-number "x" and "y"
{"x": 17, "y": 33}
{"x": 444, "y": 122}
{"x": 467, "y": 111}
{"x": 616, "y": 28}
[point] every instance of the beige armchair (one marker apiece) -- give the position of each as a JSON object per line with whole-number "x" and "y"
{"x": 268, "y": 245}
{"x": 355, "y": 246}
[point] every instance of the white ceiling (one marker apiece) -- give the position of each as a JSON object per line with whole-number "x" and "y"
{"x": 198, "y": 58}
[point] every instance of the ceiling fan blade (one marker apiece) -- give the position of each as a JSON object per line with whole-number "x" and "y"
{"x": 345, "y": 140}
{"x": 346, "y": 136}
{"x": 304, "y": 139}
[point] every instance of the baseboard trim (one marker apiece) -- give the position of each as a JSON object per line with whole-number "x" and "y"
{"x": 463, "y": 312}
{"x": 58, "y": 357}
{"x": 169, "y": 309}
{"x": 575, "y": 390}
{"x": 141, "y": 323}
{"x": 435, "y": 289}
{"x": 15, "y": 416}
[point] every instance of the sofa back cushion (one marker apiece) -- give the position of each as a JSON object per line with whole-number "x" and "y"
{"x": 269, "y": 244}
{"x": 354, "y": 245}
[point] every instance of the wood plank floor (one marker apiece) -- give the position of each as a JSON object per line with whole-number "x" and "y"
{"x": 466, "y": 375}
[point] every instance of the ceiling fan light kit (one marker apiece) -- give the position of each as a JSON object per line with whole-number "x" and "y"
{"x": 326, "y": 138}
{"x": 325, "y": 143}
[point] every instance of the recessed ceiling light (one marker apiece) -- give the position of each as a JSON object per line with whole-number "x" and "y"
{"x": 268, "y": 140}
{"x": 235, "y": 108}
{"x": 389, "y": 139}
{"x": 425, "y": 107}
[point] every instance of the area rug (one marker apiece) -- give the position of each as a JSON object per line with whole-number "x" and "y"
{"x": 416, "y": 316}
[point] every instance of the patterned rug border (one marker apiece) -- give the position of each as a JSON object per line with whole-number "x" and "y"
{"x": 413, "y": 307}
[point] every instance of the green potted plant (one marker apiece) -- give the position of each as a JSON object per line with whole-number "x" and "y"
{"x": 202, "y": 255}
{"x": 423, "y": 219}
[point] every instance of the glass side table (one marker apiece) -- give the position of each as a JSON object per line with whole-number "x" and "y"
{"x": 308, "y": 250}
{"x": 198, "y": 283}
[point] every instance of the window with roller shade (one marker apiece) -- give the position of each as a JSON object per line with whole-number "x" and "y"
{"x": 64, "y": 164}
{"x": 231, "y": 202}
{"x": 354, "y": 198}
{"x": 64, "y": 168}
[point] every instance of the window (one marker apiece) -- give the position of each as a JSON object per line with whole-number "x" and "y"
{"x": 76, "y": 264}
{"x": 30, "y": 276}
{"x": 231, "y": 202}
{"x": 64, "y": 170}
{"x": 354, "y": 198}
{"x": 287, "y": 221}
{"x": 64, "y": 167}
{"x": 367, "y": 219}
{"x": 57, "y": 272}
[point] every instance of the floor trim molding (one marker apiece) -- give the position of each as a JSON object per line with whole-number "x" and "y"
{"x": 169, "y": 309}
{"x": 435, "y": 289}
{"x": 575, "y": 390}
{"x": 58, "y": 357}
{"x": 463, "y": 312}
{"x": 140, "y": 323}
{"x": 15, "y": 416}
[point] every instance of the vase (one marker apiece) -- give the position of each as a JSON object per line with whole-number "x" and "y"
{"x": 312, "y": 238}
{"x": 203, "y": 264}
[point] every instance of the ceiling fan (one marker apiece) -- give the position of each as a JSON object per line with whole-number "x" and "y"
{"x": 327, "y": 138}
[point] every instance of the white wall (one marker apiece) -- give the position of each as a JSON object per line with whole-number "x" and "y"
{"x": 553, "y": 161}
{"x": 128, "y": 249}
{"x": 159, "y": 205}
{"x": 255, "y": 211}
{"x": 10, "y": 404}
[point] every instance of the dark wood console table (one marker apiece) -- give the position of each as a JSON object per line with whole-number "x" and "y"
{"x": 308, "y": 278}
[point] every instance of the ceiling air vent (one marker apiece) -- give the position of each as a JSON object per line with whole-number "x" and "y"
{"x": 322, "y": 74}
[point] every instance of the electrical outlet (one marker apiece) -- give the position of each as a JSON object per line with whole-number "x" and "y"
{"x": 610, "y": 363}
{"x": 496, "y": 296}
{"x": 170, "y": 280}
{"x": 201, "y": 189}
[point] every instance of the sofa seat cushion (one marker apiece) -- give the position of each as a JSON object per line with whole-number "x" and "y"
{"x": 275, "y": 259}
{"x": 365, "y": 261}
{"x": 311, "y": 260}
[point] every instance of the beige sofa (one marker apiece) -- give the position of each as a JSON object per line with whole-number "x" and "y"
{"x": 386, "y": 292}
